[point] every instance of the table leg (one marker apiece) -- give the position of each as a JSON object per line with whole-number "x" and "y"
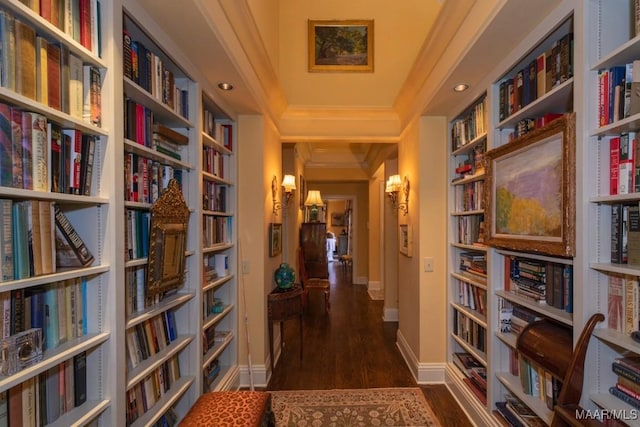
{"x": 271, "y": 343}
{"x": 300, "y": 337}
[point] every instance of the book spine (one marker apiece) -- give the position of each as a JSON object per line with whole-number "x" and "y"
{"x": 73, "y": 238}
{"x": 6, "y": 241}
{"x": 624, "y": 397}
{"x": 80, "y": 378}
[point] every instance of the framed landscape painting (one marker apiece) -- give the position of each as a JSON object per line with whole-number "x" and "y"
{"x": 275, "y": 239}
{"x": 530, "y": 194}
{"x": 405, "y": 240}
{"x": 341, "y": 45}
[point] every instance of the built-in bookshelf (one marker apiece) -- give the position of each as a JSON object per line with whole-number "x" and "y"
{"x": 50, "y": 103}
{"x": 610, "y": 146}
{"x": 528, "y": 93}
{"x": 219, "y": 314}
{"x": 467, "y": 282}
{"x": 160, "y": 144}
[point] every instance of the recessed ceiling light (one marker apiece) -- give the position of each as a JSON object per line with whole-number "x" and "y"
{"x": 461, "y": 87}
{"x": 225, "y": 86}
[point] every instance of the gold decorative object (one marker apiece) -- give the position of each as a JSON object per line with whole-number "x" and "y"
{"x": 167, "y": 241}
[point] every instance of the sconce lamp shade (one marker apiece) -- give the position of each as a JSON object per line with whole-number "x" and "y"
{"x": 289, "y": 183}
{"x": 394, "y": 184}
{"x": 313, "y": 198}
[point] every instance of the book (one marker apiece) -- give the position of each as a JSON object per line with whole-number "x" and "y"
{"x": 52, "y": 390}
{"x": 39, "y": 152}
{"x": 633, "y": 235}
{"x": 71, "y": 250}
{"x": 170, "y": 134}
{"x": 56, "y": 167}
{"x": 626, "y": 168}
{"x": 631, "y": 304}
{"x": 73, "y": 159}
{"x": 5, "y": 146}
{"x": 54, "y": 64}
{"x": 87, "y": 157}
{"x": 16, "y": 147}
{"x": 20, "y": 240}
{"x": 7, "y": 51}
{"x": 25, "y": 60}
{"x": 6, "y": 241}
{"x": 80, "y": 378}
{"x": 624, "y": 397}
{"x": 615, "y": 303}
{"x": 42, "y": 87}
{"x": 27, "y": 144}
{"x": 15, "y": 405}
{"x": 29, "y": 402}
{"x": 76, "y": 92}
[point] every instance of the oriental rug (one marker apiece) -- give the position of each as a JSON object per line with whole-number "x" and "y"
{"x": 350, "y": 408}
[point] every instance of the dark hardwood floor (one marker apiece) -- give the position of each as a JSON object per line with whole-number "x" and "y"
{"x": 351, "y": 347}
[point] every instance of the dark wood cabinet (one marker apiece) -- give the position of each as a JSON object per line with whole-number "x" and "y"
{"x": 313, "y": 243}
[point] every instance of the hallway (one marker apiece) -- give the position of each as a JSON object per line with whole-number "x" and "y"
{"x": 351, "y": 347}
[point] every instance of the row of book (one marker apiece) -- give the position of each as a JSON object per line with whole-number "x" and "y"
{"x": 140, "y": 126}
{"x": 618, "y": 92}
{"x": 623, "y": 303}
{"x": 136, "y": 282}
{"x": 475, "y": 374}
{"x": 471, "y": 229}
{"x": 79, "y": 19}
{"x": 150, "y": 337}
{"x": 214, "y": 197}
{"x": 145, "y": 178}
{"x": 37, "y": 238}
{"x": 471, "y": 163}
{"x": 58, "y": 309}
{"x": 222, "y": 133}
{"x": 538, "y": 382}
{"x": 216, "y": 229}
{"x": 42, "y": 399}
{"x": 472, "y": 296}
{"x": 148, "y": 70}
{"x": 41, "y": 155}
{"x": 214, "y": 162}
{"x": 474, "y": 265}
{"x": 209, "y": 375}
{"x": 624, "y": 166}
{"x": 137, "y": 234}
{"x": 213, "y": 338}
{"x": 544, "y": 282}
{"x": 514, "y": 317}
{"x": 215, "y": 266}
{"x": 45, "y": 71}
{"x": 625, "y": 234}
{"x": 539, "y": 76}
{"x": 469, "y": 331}
{"x": 517, "y": 414}
{"x": 526, "y": 125}
{"x": 143, "y": 395}
{"x": 627, "y": 387}
{"x": 469, "y": 196}
{"x": 469, "y": 127}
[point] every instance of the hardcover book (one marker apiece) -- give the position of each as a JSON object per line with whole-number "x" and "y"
{"x": 71, "y": 250}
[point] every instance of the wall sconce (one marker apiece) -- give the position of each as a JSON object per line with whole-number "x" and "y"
{"x": 393, "y": 187}
{"x": 288, "y": 185}
{"x": 314, "y": 199}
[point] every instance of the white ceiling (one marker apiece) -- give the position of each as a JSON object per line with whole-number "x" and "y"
{"x": 422, "y": 49}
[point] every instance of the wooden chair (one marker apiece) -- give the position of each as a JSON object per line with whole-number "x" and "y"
{"x": 549, "y": 345}
{"x": 308, "y": 283}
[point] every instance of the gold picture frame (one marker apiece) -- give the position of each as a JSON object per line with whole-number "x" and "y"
{"x": 530, "y": 191}
{"x": 341, "y": 45}
{"x": 167, "y": 242}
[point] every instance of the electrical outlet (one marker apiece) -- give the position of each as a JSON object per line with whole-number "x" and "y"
{"x": 428, "y": 264}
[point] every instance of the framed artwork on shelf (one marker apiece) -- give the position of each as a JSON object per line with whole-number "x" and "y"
{"x": 530, "y": 197}
{"x": 275, "y": 239}
{"x": 341, "y": 45}
{"x": 405, "y": 242}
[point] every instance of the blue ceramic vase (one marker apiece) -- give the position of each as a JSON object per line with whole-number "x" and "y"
{"x": 284, "y": 276}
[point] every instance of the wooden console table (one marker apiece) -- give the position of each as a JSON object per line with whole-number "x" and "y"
{"x": 283, "y": 305}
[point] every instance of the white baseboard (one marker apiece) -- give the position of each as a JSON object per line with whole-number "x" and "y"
{"x": 374, "y": 285}
{"x": 260, "y": 376}
{"x": 390, "y": 314}
{"x": 424, "y": 373}
{"x": 472, "y": 407}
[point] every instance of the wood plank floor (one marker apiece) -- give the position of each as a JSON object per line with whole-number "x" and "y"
{"x": 351, "y": 347}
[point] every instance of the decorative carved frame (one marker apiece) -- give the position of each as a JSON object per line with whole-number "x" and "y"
{"x": 530, "y": 148}
{"x": 167, "y": 241}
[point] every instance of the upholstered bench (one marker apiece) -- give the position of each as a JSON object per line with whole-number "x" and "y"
{"x": 231, "y": 409}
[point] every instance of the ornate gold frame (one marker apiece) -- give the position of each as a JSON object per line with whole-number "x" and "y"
{"x": 349, "y": 30}
{"x": 167, "y": 241}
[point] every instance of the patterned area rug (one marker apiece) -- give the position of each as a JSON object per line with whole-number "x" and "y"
{"x": 350, "y": 408}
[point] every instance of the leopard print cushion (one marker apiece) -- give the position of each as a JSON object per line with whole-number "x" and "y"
{"x": 230, "y": 409}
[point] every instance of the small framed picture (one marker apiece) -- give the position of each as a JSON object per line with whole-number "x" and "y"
{"x": 341, "y": 45}
{"x": 275, "y": 239}
{"x": 405, "y": 239}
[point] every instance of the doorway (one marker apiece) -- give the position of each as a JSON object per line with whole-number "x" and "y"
{"x": 341, "y": 229}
